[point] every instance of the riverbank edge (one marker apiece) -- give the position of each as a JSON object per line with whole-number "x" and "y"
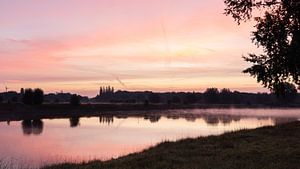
{"x": 17, "y": 112}
{"x": 267, "y": 147}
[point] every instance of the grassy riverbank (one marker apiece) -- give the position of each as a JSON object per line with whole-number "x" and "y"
{"x": 264, "y": 148}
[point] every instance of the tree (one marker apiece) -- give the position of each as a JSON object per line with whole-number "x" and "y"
{"x": 289, "y": 93}
{"x": 38, "y": 96}
{"x": 101, "y": 91}
{"x": 278, "y": 34}
{"x": 75, "y": 100}
{"x": 226, "y": 96}
{"x": 33, "y": 97}
{"x": 28, "y": 96}
{"x": 1, "y": 99}
{"x": 211, "y": 95}
{"x": 22, "y": 91}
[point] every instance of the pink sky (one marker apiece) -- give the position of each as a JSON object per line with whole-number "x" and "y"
{"x": 160, "y": 45}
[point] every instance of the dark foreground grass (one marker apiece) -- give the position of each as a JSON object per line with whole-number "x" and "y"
{"x": 264, "y": 148}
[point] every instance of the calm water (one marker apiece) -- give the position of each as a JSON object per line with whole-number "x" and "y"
{"x": 37, "y": 142}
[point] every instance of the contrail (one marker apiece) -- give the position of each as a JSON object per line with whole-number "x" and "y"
{"x": 162, "y": 24}
{"x": 166, "y": 39}
{"x": 123, "y": 84}
{"x": 118, "y": 79}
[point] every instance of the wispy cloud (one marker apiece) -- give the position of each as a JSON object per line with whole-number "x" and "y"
{"x": 124, "y": 43}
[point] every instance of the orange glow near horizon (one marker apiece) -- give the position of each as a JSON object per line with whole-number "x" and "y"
{"x": 158, "y": 45}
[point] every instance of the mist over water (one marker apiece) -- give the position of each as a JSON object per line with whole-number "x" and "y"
{"x": 43, "y": 141}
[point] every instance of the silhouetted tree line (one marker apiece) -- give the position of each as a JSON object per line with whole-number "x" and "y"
{"x": 106, "y": 90}
{"x": 37, "y": 97}
{"x": 209, "y": 96}
{"x": 10, "y": 97}
{"x": 65, "y": 98}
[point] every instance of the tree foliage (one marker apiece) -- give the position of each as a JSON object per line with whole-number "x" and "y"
{"x": 75, "y": 100}
{"x": 33, "y": 97}
{"x": 289, "y": 94}
{"x": 226, "y": 96}
{"x": 38, "y": 96}
{"x": 278, "y": 34}
{"x": 28, "y": 97}
{"x": 211, "y": 95}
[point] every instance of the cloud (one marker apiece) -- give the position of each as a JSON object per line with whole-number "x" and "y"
{"x": 112, "y": 40}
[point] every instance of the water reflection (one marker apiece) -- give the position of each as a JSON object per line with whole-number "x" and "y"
{"x": 119, "y": 133}
{"x": 152, "y": 118}
{"x": 32, "y": 127}
{"x": 283, "y": 120}
{"x": 208, "y": 118}
{"x": 36, "y": 126}
{"x": 224, "y": 119}
{"x": 108, "y": 119}
{"x": 74, "y": 122}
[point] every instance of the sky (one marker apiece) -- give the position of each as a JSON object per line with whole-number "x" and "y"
{"x": 136, "y": 45}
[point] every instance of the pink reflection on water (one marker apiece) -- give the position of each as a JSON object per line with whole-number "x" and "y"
{"x": 94, "y": 140}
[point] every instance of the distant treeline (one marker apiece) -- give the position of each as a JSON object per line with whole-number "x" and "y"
{"x": 37, "y": 97}
{"x": 107, "y": 95}
{"x": 210, "y": 96}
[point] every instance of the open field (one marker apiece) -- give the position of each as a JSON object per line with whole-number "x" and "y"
{"x": 265, "y": 148}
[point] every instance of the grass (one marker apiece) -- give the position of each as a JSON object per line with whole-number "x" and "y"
{"x": 275, "y": 147}
{"x": 10, "y": 164}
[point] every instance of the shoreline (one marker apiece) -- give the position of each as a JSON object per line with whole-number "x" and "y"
{"x": 267, "y": 147}
{"x": 17, "y": 112}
